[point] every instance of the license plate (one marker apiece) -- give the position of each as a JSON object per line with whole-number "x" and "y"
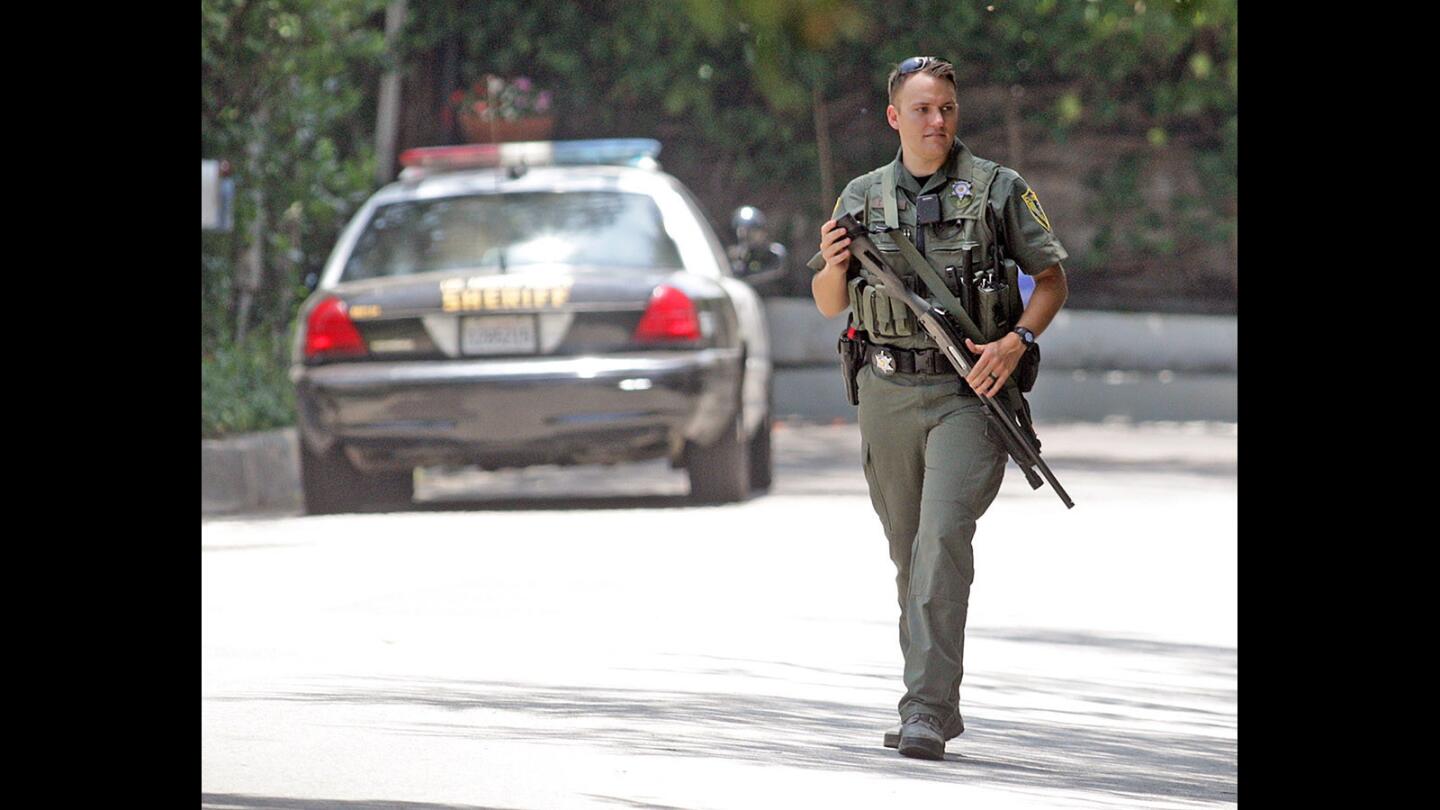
{"x": 498, "y": 334}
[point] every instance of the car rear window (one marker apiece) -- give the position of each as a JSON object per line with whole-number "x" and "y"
{"x": 498, "y": 232}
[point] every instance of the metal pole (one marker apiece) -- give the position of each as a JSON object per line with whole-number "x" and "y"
{"x": 388, "y": 115}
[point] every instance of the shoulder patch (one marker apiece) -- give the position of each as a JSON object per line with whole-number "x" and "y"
{"x": 1033, "y": 203}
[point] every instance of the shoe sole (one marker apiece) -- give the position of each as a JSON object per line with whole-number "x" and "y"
{"x": 892, "y": 739}
{"x": 922, "y": 749}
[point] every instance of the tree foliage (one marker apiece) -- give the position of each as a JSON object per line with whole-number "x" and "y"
{"x": 286, "y": 96}
{"x": 738, "y": 91}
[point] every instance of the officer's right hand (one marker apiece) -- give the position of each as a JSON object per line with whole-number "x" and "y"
{"x": 834, "y": 246}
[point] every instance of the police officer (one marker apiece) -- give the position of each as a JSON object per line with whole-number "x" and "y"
{"x": 754, "y": 257}
{"x": 932, "y": 461}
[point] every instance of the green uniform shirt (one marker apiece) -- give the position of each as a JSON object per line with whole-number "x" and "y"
{"x": 1032, "y": 244}
{"x": 961, "y": 182}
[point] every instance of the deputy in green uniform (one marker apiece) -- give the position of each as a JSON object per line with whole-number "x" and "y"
{"x": 932, "y": 460}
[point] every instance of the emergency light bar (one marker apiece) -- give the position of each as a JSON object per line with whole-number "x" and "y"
{"x": 608, "y": 151}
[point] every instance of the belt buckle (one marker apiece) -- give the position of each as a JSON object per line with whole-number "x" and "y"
{"x": 884, "y": 362}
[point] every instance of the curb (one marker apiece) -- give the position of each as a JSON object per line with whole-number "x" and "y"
{"x": 257, "y": 471}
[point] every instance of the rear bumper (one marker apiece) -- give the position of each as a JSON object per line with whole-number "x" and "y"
{"x": 517, "y": 412}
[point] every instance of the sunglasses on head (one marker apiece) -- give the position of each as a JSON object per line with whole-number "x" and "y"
{"x": 915, "y": 63}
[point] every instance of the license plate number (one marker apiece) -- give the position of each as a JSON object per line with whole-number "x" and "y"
{"x": 498, "y": 334}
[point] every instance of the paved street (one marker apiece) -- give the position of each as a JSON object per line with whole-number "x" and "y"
{"x": 586, "y": 638}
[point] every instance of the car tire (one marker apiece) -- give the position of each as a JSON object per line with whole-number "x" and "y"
{"x": 762, "y": 465}
{"x": 332, "y": 484}
{"x": 720, "y": 472}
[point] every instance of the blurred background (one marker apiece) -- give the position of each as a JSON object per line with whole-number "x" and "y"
{"x": 1121, "y": 114}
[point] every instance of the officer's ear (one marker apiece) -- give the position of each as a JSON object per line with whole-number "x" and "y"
{"x": 893, "y": 116}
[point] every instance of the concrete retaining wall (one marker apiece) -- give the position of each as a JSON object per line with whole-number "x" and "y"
{"x": 1076, "y": 339}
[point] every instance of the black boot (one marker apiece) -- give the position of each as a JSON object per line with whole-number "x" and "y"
{"x": 957, "y": 727}
{"x": 922, "y": 736}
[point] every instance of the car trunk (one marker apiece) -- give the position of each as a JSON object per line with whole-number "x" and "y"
{"x": 518, "y": 314}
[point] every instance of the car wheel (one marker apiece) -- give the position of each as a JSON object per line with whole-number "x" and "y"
{"x": 761, "y": 464}
{"x": 332, "y": 484}
{"x": 720, "y": 472}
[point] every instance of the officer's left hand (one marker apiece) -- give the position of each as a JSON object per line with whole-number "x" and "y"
{"x": 997, "y": 360}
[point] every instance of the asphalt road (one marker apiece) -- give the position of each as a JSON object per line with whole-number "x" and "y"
{"x": 586, "y": 638}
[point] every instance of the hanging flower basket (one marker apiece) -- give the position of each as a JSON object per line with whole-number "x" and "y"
{"x": 496, "y": 109}
{"x": 500, "y": 131}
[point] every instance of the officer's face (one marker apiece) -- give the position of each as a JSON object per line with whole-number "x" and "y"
{"x": 926, "y": 116}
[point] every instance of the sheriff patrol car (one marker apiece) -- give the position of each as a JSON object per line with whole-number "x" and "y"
{"x": 506, "y": 305}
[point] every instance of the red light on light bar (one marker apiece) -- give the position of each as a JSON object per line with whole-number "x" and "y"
{"x": 473, "y": 155}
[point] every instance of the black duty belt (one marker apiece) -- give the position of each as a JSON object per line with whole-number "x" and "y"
{"x": 887, "y": 360}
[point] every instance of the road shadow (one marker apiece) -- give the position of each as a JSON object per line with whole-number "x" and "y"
{"x": 245, "y": 801}
{"x": 553, "y": 503}
{"x": 1098, "y": 735}
{"x": 620, "y": 800}
{"x": 1133, "y": 644}
{"x": 498, "y": 503}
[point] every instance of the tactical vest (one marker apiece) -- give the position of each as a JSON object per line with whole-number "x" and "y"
{"x": 961, "y": 221}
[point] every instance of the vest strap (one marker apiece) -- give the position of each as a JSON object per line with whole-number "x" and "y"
{"x": 922, "y": 268}
{"x": 887, "y": 195}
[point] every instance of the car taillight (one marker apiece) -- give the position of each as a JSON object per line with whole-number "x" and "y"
{"x": 329, "y": 332}
{"x": 670, "y": 316}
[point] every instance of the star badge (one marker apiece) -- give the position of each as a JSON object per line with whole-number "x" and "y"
{"x": 961, "y": 189}
{"x": 885, "y": 362}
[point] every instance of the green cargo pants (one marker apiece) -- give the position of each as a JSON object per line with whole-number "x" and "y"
{"x": 934, "y": 464}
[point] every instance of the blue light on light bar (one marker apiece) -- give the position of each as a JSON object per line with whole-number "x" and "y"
{"x": 597, "y": 152}
{"x": 622, "y": 151}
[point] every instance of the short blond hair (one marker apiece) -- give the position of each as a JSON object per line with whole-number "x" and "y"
{"x": 933, "y": 65}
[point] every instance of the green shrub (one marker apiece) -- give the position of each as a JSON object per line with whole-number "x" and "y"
{"x": 244, "y": 386}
